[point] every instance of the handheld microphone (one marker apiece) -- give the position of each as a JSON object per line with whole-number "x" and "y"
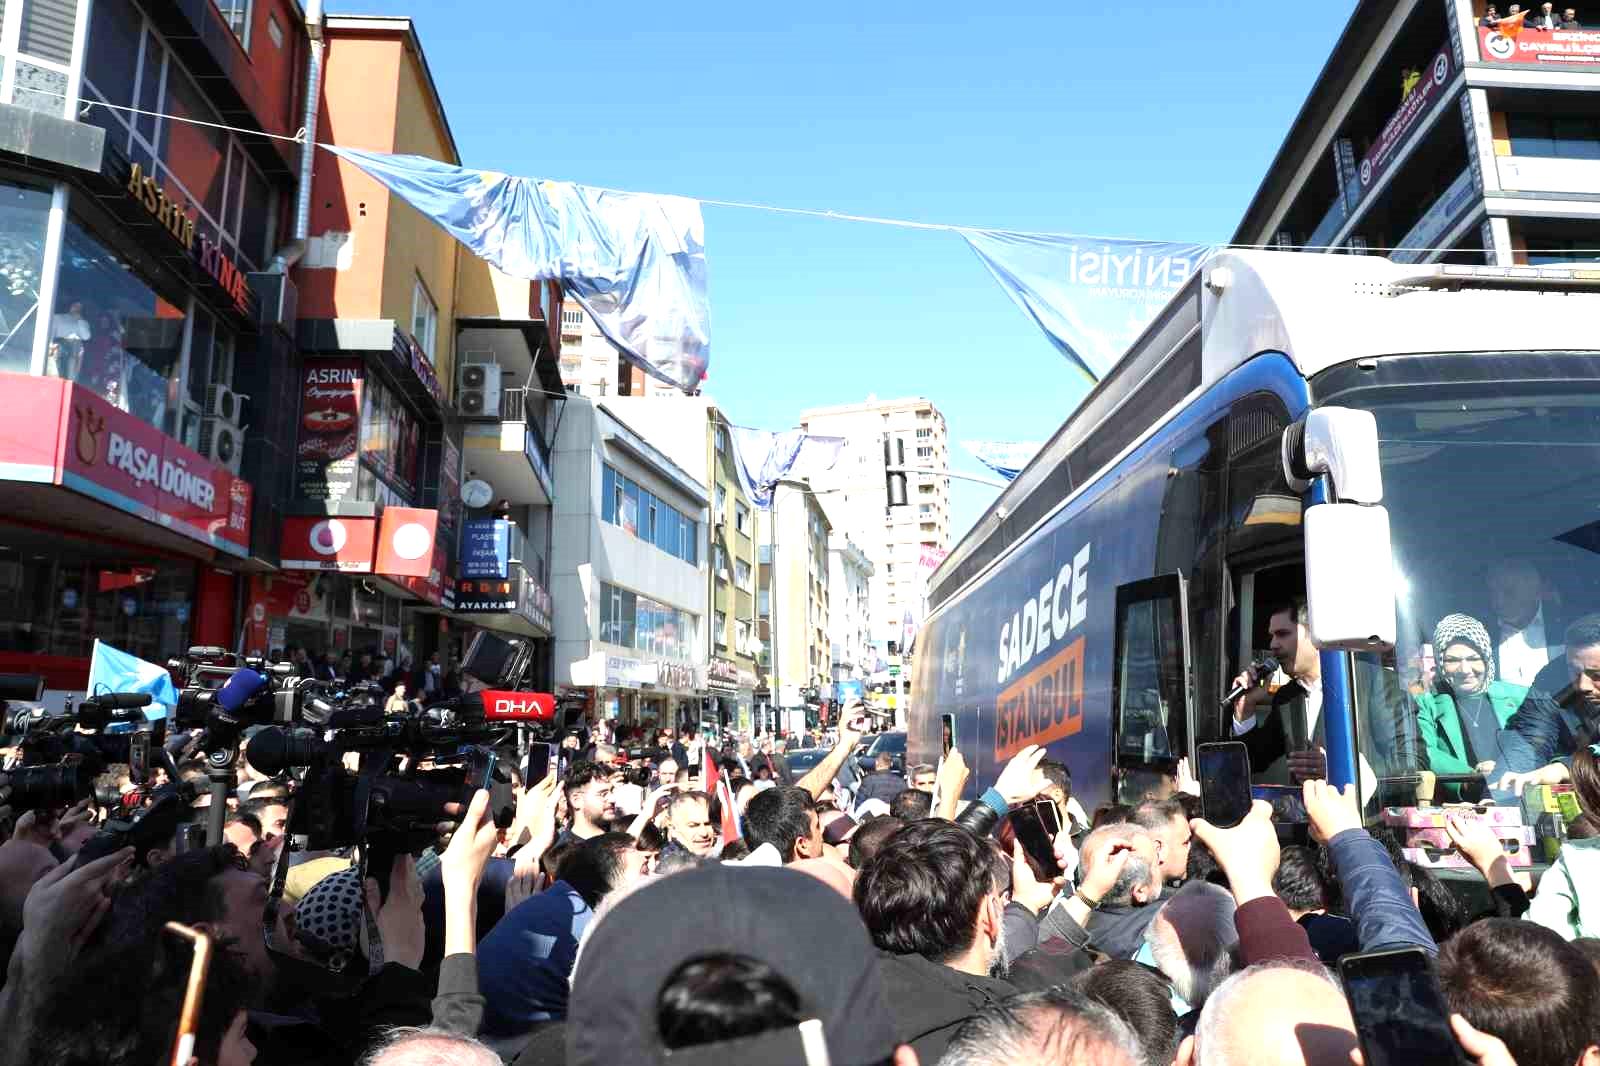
{"x": 1261, "y": 668}
{"x": 239, "y": 690}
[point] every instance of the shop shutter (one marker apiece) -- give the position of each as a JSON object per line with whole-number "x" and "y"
{"x": 47, "y": 29}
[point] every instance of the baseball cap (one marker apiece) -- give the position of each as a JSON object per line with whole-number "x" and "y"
{"x": 798, "y": 925}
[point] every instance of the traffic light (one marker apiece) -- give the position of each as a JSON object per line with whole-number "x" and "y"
{"x": 894, "y": 481}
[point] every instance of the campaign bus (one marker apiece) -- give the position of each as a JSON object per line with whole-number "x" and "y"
{"x": 1388, "y": 448}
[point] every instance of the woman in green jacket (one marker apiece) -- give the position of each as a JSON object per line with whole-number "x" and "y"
{"x": 1460, "y": 721}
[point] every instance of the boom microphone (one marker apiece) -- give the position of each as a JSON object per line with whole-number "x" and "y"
{"x": 239, "y": 690}
{"x": 116, "y": 701}
{"x": 1261, "y": 669}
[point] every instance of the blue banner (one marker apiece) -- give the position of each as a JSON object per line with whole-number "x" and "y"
{"x": 1006, "y": 458}
{"x": 763, "y": 458}
{"x": 636, "y": 262}
{"x": 485, "y": 549}
{"x": 111, "y": 670}
{"x": 1091, "y": 297}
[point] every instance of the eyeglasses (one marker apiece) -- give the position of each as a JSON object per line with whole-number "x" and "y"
{"x": 1462, "y": 660}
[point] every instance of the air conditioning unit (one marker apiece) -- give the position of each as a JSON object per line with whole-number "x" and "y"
{"x": 223, "y": 403}
{"x": 222, "y": 442}
{"x": 478, "y": 391}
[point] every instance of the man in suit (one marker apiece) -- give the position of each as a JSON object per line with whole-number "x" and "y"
{"x": 1285, "y": 742}
{"x": 1526, "y": 629}
{"x": 1569, "y": 19}
{"x": 1546, "y": 19}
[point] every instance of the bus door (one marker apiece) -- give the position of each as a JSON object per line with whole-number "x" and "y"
{"x": 1150, "y": 687}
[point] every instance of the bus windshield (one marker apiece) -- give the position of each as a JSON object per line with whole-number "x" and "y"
{"x": 1489, "y": 477}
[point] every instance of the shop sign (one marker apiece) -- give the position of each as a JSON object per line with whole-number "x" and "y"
{"x": 211, "y": 257}
{"x": 674, "y": 675}
{"x": 406, "y": 537}
{"x": 344, "y": 545}
{"x": 330, "y": 423}
{"x": 1547, "y": 48}
{"x": 422, "y": 367}
{"x": 430, "y": 589}
{"x": 485, "y": 548}
{"x": 486, "y": 595}
{"x": 66, "y": 435}
{"x": 722, "y": 674}
{"x": 450, "y": 482}
{"x": 1404, "y": 123}
{"x": 622, "y": 672}
{"x": 1442, "y": 216}
{"x": 534, "y": 604}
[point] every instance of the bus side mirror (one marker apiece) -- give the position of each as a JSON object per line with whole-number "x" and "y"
{"x": 1341, "y": 443}
{"x": 1349, "y": 577}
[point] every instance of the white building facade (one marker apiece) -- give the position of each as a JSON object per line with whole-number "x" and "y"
{"x": 849, "y": 609}
{"x": 628, "y": 574}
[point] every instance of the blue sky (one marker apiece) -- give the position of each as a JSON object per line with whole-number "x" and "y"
{"x": 1155, "y": 120}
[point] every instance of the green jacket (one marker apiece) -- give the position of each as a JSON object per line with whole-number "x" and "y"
{"x": 1439, "y": 724}
{"x": 1568, "y": 899}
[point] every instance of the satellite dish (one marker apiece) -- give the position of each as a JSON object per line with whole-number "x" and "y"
{"x": 476, "y": 493}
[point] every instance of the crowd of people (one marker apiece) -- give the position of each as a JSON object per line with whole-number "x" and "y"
{"x": 1545, "y": 19}
{"x": 695, "y": 899}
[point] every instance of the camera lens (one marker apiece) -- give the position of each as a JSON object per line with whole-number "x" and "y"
{"x": 42, "y": 787}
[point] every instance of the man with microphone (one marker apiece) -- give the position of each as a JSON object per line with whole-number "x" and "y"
{"x": 1286, "y": 742}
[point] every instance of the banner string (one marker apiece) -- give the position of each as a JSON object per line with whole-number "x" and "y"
{"x": 299, "y": 137}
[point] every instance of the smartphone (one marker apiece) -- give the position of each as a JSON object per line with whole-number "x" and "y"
{"x": 947, "y": 727}
{"x": 1224, "y": 772}
{"x": 1400, "y": 1013}
{"x": 139, "y": 757}
{"x": 193, "y": 994}
{"x": 540, "y": 757}
{"x": 1036, "y": 825}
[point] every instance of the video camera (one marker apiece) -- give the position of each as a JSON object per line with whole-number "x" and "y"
{"x": 63, "y": 754}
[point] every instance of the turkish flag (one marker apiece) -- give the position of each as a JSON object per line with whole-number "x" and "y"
{"x": 711, "y": 784}
{"x": 405, "y": 541}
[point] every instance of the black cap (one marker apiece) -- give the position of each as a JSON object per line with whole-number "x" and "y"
{"x": 794, "y": 923}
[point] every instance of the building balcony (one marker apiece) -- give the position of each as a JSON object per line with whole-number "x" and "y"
{"x": 1527, "y": 173}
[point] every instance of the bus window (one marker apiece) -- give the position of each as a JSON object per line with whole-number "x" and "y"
{"x": 1150, "y": 690}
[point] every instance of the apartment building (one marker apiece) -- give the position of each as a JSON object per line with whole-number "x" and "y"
{"x": 1488, "y": 154}
{"x": 849, "y": 609}
{"x": 793, "y": 609}
{"x": 854, "y": 491}
{"x": 591, "y": 366}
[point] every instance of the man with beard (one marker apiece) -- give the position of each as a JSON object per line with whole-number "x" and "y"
{"x": 934, "y": 908}
{"x": 1541, "y": 736}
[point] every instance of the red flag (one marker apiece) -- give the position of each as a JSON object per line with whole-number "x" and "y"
{"x": 711, "y": 784}
{"x": 1511, "y": 25}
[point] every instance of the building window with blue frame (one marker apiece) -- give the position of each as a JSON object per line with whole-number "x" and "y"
{"x": 625, "y": 503}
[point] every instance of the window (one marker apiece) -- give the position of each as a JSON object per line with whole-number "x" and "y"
{"x": 633, "y": 621}
{"x": 926, "y": 488}
{"x": 720, "y": 561}
{"x": 741, "y": 517}
{"x": 572, "y": 320}
{"x": 1148, "y": 683}
{"x": 424, "y": 318}
{"x": 236, "y": 13}
{"x": 646, "y": 516}
{"x": 24, "y": 213}
{"x": 722, "y": 503}
{"x": 924, "y": 434}
{"x": 743, "y": 574}
{"x": 722, "y": 439}
{"x": 1556, "y": 136}
{"x": 115, "y": 334}
{"x": 721, "y": 622}
{"x": 742, "y": 637}
{"x": 924, "y": 453}
{"x": 275, "y": 31}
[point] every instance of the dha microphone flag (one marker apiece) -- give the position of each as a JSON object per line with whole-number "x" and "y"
{"x": 113, "y": 670}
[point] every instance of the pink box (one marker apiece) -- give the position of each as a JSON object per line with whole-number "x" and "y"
{"x": 1514, "y": 839}
{"x": 1433, "y": 817}
{"x": 1453, "y": 860}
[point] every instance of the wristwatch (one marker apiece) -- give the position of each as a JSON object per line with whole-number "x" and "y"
{"x": 1092, "y": 904}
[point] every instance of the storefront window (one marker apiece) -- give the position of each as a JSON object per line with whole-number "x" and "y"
{"x": 390, "y": 439}
{"x": 114, "y": 334}
{"x": 58, "y": 595}
{"x": 24, "y": 213}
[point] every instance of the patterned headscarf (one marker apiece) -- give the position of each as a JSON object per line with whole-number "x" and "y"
{"x": 1463, "y": 629}
{"x": 328, "y": 919}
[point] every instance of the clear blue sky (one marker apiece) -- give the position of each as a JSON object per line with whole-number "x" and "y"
{"x": 1155, "y": 120}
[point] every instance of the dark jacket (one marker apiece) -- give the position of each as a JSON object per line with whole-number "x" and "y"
{"x": 1279, "y": 732}
{"x": 337, "y": 1032}
{"x": 457, "y": 1004}
{"x": 1544, "y": 730}
{"x": 1117, "y": 929}
{"x": 929, "y": 1001}
{"x": 1375, "y": 896}
{"x": 884, "y": 785}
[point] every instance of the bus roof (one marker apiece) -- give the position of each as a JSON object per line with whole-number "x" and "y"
{"x": 1320, "y": 311}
